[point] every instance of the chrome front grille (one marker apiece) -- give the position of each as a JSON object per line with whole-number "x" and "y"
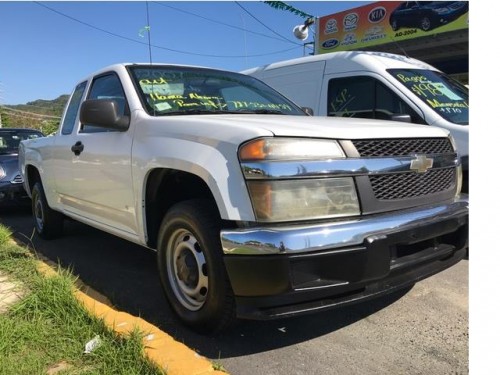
{"x": 402, "y": 147}
{"x": 384, "y": 187}
{"x": 412, "y": 185}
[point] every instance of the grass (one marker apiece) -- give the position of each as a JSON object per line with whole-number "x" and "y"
{"x": 48, "y": 328}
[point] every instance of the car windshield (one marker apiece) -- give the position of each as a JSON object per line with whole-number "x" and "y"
{"x": 172, "y": 90}
{"x": 447, "y": 97}
{"x": 9, "y": 139}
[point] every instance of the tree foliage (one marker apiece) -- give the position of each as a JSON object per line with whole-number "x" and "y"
{"x": 43, "y": 115}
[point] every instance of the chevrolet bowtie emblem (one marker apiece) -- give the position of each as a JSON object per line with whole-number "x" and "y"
{"x": 421, "y": 163}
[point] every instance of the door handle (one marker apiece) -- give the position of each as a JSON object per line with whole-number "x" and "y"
{"x": 77, "y": 148}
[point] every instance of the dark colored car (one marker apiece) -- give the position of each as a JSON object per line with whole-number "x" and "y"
{"x": 427, "y": 15}
{"x": 11, "y": 182}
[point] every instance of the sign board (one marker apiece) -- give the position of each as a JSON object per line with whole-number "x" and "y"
{"x": 388, "y": 21}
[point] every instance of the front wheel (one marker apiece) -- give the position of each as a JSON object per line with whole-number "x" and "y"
{"x": 191, "y": 267}
{"x": 426, "y": 24}
{"x": 394, "y": 25}
{"x": 48, "y": 223}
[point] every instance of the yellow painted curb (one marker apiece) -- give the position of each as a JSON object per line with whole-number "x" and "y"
{"x": 169, "y": 355}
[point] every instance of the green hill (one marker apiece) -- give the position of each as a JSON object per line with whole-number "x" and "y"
{"x": 39, "y": 114}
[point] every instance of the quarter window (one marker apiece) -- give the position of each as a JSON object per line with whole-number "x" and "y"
{"x": 72, "y": 110}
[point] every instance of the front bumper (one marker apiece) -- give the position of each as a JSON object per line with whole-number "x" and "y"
{"x": 290, "y": 270}
{"x": 10, "y": 193}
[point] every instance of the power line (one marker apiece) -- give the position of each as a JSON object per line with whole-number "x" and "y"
{"x": 25, "y": 117}
{"x": 20, "y": 113}
{"x": 155, "y": 46}
{"x": 271, "y": 30}
{"x": 281, "y": 39}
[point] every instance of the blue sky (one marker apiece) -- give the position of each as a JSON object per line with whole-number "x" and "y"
{"x": 44, "y": 52}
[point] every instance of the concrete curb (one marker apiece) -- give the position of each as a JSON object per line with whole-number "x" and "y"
{"x": 159, "y": 347}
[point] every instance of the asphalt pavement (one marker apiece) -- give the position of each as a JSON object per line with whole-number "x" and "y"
{"x": 419, "y": 330}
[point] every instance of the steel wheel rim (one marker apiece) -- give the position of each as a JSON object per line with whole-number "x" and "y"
{"x": 187, "y": 269}
{"x": 39, "y": 218}
{"x": 426, "y": 24}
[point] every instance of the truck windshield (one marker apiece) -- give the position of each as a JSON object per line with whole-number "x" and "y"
{"x": 447, "y": 97}
{"x": 173, "y": 90}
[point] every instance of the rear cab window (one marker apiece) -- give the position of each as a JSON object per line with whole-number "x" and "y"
{"x": 72, "y": 109}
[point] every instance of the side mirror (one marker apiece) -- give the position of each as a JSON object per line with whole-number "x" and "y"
{"x": 103, "y": 113}
{"x": 308, "y": 110}
{"x": 401, "y": 117}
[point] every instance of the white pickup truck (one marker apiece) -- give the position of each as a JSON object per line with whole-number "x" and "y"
{"x": 255, "y": 209}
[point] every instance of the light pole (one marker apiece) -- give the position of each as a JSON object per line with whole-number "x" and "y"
{"x": 301, "y": 32}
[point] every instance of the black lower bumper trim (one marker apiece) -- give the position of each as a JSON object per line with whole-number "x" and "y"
{"x": 276, "y": 286}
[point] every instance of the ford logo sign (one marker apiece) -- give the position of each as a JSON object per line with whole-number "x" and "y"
{"x": 377, "y": 14}
{"x": 330, "y": 43}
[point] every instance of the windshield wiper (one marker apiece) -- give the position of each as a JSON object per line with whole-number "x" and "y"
{"x": 218, "y": 112}
{"x": 260, "y": 111}
{"x": 192, "y": 112}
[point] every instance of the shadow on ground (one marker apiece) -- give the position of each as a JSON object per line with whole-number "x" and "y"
{"x": 127, "y": 275}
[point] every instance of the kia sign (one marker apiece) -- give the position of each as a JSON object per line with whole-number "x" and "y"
{"x": 388, "y": 21}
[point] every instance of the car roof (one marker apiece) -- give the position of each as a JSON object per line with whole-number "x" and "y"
{"x": 20, "y": 130}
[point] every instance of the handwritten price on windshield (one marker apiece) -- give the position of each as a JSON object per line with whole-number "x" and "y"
{"x": 426, "y": 89}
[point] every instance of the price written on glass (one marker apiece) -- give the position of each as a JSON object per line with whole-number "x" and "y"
{"x": 426, "y": 89}
{"x": 436, "y": 94}
{"x": 420, "y": 85}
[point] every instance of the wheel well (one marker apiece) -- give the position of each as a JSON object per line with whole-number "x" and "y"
{"x": 33, "y": 176}
{"x": 166, "y": 187}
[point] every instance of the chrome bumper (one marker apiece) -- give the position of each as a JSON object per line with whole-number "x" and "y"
{"x": 295, "y": 239}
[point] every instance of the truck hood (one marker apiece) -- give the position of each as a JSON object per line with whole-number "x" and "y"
{"x": 311, "y": 126}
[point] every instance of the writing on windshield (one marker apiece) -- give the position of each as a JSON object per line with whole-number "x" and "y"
{"x": 176, "y": 90}
{"x": 445, "y": 96}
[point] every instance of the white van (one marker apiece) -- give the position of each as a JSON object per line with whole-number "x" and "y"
{"x": 375, "y": 85}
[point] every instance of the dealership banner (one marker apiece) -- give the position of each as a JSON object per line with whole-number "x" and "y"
{"x": 388, "y": 21}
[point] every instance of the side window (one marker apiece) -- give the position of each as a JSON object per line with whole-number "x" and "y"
{"x": 388, "y": 104}
{"x": 351, "y": 97}
{"x": 366, "y": 97}
{"x": 106, "y": 87}
{"x": 72, "y": 111}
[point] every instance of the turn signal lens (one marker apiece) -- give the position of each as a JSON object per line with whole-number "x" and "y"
{"x": 290, "y": 149}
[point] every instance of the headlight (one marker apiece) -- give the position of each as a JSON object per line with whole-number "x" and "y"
{"x": 442, "y": 10}
{"x": 286, "y": 200}
{"x": 459, "y": 180}
{"x": 300, "y": 195}
{"x": 459, "y": 168}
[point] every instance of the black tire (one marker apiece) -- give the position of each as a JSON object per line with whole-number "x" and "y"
{"x": 426, "y": 24}
{"x": 191, "y": 267}
{"x": 48, "y": 223}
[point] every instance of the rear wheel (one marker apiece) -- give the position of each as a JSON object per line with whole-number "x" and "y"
{"x": 191, "y": 267}
{"x": 48, "y": 223}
